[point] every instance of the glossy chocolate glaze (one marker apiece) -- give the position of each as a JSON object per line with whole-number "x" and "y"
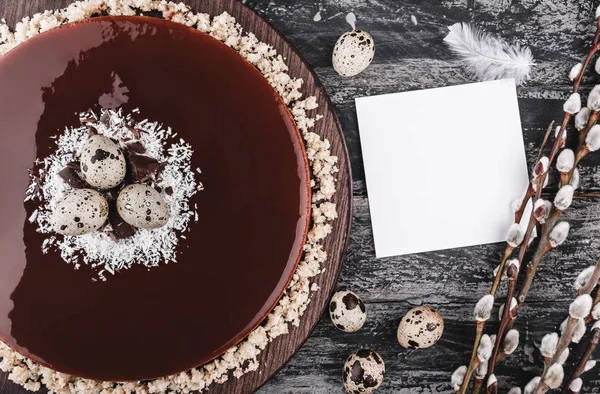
{"x": 237, "y": 260}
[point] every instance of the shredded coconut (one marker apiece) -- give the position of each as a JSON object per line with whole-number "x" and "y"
{"x": 243, "y": 358}
{"x": 147, "y": 247}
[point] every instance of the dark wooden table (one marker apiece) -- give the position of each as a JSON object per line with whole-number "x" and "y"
{"x": 412, "y": 56}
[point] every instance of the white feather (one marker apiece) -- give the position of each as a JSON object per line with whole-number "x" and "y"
{"x": 487, "y": 57}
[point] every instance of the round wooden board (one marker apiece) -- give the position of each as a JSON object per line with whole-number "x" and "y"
{"x": 278, "y": 353}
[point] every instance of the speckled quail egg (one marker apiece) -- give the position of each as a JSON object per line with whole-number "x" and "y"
{"x": 79, "y": 212}
{"x": 353, "y": 52}
{"x": 142, "y": 206}
{"x": 102, "y": 163}
{"x": 420, "y": 328}
{"x": 363, "y": 372}
{"x": 347, "y": 311}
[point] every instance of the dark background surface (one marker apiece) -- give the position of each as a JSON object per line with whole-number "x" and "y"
{"x": 413, "y": 56}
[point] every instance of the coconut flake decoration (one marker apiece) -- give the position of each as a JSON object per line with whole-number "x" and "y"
{"x": 353, "y": 52}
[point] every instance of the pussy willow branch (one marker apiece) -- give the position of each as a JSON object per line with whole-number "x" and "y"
{"x": 590, "y": 319}
{"x": 592, "y": 51}
{"x": 592, "y": 282}
{"x": 596, "y": 299}
{"x": 509, "y": 316}
{"x": 539, "y": 156}
{"x": 507, "y": 253}
{"x": 567, "y": 333}
{"x": 587, "y": 288}
{"x": 544, "y": 246}
{"x": 541, "y": 251}
{"x": 477, "y": 386}
{"x": 513, "y": 273}
{"x": 595, "y": 339}
{"x": 474, "y": 360}
{"x": 530, "y": 192}
{"x": 547, "y": 228}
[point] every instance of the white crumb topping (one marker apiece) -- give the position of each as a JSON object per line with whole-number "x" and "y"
{"x": 147, "y": 247}
{"x": 243, "y": 358}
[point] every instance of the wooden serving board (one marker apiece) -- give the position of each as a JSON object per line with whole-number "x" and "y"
{"x": 277, "y": 354}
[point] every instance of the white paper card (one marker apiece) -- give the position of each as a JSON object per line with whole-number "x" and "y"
{"x": 443, "y": 166}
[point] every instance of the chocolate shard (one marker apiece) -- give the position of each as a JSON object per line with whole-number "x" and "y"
{"x": 92, "y": 130}
{"x": 72, "y": 178}
{"x": 136, "y": 147}
{"x": 105, "y": 118}
{"x": 142, "y": 167}
{"x": 74, "y": 165}
{"x": 121, "y": 229}
{"x": 169, "y": 190}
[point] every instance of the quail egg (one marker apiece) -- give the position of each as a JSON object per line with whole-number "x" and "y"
{"x": 79, "y": 212}
{"x": 142, "y": 206}
{"x": 102, "y": 163}
{"x": 353, "y": 52}
{"x": 347, "y": 311}
{"x": 420, "y": 328}
{"x": 363, "y": 372}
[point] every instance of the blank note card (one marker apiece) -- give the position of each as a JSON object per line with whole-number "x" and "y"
{"x": 442, "y": 165}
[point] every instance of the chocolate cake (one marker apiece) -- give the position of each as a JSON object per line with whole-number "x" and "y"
{"x": 233, "y": 264}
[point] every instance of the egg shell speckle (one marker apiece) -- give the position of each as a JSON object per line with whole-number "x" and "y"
{"x": 353, "y": 52}
{"x": 80, "y": 212}
{"x": 142, "y": 206}
{"x": 363, "y": 372}
{"x": 347, "y": 311}
{"x": 420, "y": 328}
{"x": 102, "y": 163}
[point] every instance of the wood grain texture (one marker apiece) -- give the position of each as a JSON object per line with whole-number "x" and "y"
{"x": 410, "y": 57}
{"x": 282, "y": 348}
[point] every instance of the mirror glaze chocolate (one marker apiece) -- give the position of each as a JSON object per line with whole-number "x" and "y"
{"x": 253, "y": 214}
